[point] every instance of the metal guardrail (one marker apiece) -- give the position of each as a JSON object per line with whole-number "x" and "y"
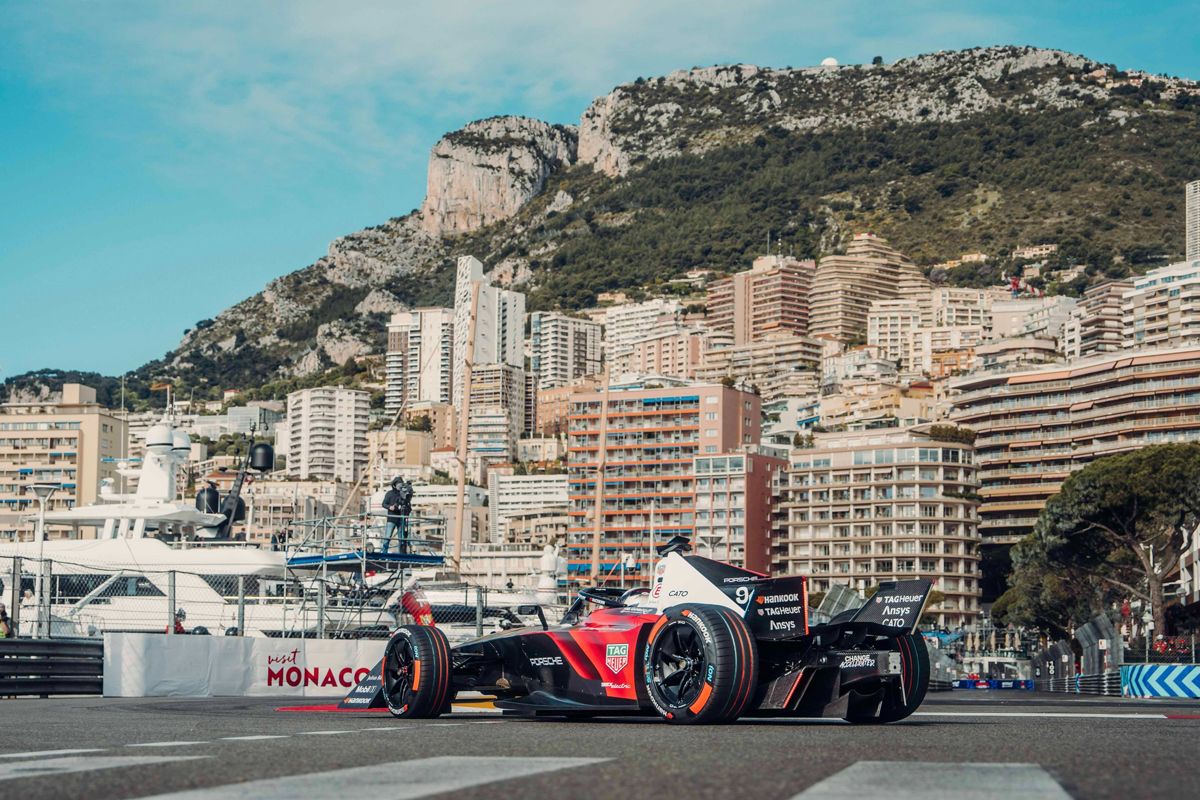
{"x": 1107, "y": 684}
{"x": 51, "y": 666}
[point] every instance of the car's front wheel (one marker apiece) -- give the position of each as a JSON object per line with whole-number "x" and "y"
{"x": 416, "y": 672}
{"x": 701, "y": 665}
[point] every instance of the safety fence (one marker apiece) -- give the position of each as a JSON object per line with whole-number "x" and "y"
{"x": 50, "y": 667}
{"x": 55, "y": 598}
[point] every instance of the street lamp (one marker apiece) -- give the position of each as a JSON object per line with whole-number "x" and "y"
{"x": 43, "y": 490}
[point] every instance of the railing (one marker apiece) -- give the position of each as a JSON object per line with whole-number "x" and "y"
{"x": 1107, "y": 684}
{"x": 43, "y": 668}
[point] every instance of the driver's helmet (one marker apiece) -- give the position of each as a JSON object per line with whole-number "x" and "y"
{"x": 180, "y": 614}
{"x": 635, "y": 597}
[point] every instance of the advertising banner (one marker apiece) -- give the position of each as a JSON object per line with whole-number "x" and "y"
{"x": 155, "y": 665}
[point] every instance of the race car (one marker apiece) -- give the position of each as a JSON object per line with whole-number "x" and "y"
{"x": 708, "y": 642}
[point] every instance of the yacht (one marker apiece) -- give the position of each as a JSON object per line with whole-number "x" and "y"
{"x": 155, "y": 555}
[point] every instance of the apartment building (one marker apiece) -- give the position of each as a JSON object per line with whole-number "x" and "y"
{"x": 1163, "y": 307}
{"x": 499, "y": 323}
{"x": 497, "y": 417}
{"x": 938, "y": 351}
{"x": 844, "y": 286}
{"x": 1036, "y": 427}
{"x": 651, "y": 438}
{"x": 769, "y": 298}
{"x": 1015, "y": 352}
{"x": 1042, "y": 317}
{"x": 868, "y": 404}
{"x": 1095, "y": 326}
{"x": 675, "y": 353}
{"x": 419, "y": 364}
{"x": 390, "y": 451}
{"x": 779, "y": 364}
{"x": 510, "y": 496}
{"x": 625, "y": 325}
{"x": 554, "y": 406}
{"x": 955, "y": 307}
{"x": 562, "y": 348}
{"x": 70, "y": 441}
{"x": 734, "y": 506}
{"x": 327, "y": 433}
{"x": 1192, "y": 221}
{"x": 860, "y": 508}
{"x": 439, "y": 417}
{"x": 890, "y": 328}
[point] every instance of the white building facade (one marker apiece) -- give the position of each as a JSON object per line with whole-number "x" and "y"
{"x": 499, "y": 323}
{"x": 420, "y": 357}
{"x": 563, "y": 349}
{"x": 327, "y": 433}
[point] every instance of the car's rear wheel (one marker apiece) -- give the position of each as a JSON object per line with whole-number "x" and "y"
{"x": 416, "y": 672}
{"x": 905, "y": 695}
{"x": 701, "y": 665}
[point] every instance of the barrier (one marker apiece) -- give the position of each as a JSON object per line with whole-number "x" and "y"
{"x": 1161, "y": 680}
{"x": 992, "y": 683}
{"x": 1107, "y": 684}
{"x": 50, "y": 666}
{"x": 153, "y": 665}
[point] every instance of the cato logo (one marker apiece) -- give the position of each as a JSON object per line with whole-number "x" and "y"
{"x": 616, "y": 656}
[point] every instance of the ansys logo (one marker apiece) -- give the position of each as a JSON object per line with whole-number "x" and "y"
{"x": 616, "y": 656}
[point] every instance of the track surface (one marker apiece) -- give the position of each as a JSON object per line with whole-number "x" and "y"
{"x": 1062, "y": 746}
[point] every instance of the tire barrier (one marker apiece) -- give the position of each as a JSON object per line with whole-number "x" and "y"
{"x": 940, "y": 686}
{"x": 1107, "y": 684}
{"x": 1161, "y": 680}
{"x": 51, "y": 666}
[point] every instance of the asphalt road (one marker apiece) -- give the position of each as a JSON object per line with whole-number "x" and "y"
{"x": 963, "y": 744}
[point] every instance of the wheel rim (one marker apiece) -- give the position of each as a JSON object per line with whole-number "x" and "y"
{"x": 397, "y": 672}
{"x": 679, "y": 664}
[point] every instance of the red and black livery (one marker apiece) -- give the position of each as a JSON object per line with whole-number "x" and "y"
{"x": 706, "y": 643}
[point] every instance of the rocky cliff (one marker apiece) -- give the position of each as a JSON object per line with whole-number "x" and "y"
{"x": 487, "y": 171}
{"x": 941, "y": 153}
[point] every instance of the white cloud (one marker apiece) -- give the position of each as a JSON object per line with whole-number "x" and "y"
{"x": 369, "y": 82}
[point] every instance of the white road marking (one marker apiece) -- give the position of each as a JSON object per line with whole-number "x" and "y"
{"x": 37, "y": 753}
{"x": 62, "y": 766}
{"x": 1062, "y": 714}
{"x": 322, "y": 733}
{"x": 398, "y": 780}
{"x": 252, "y": 738}
{"x": 900, "y": 780}
{"x": 165, "y": 744}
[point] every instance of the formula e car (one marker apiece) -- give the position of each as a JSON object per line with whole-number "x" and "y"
{"x": 706, "y": 643}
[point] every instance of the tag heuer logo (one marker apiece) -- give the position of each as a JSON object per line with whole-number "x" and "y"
{"x": 616, "y": 656}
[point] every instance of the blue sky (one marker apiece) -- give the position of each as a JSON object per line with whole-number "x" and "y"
{"x": 161, "y": 161}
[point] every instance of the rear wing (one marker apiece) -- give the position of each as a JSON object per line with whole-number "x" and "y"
{"x": 775, "y": 608}
{"x": 896, "y": 604}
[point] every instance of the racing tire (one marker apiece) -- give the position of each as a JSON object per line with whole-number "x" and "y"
{"x": 416, "y": 672}
{"x": 901, "y": 701}
{"x": 701, "y": 665}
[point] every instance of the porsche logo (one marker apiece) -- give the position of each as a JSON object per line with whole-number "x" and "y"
{"x": 616, "y": 656}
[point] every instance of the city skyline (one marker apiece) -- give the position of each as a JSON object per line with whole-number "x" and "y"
{"x": 126, "y": 190}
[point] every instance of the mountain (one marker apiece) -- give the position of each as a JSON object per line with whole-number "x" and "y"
{"x": 983, "y": 149}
